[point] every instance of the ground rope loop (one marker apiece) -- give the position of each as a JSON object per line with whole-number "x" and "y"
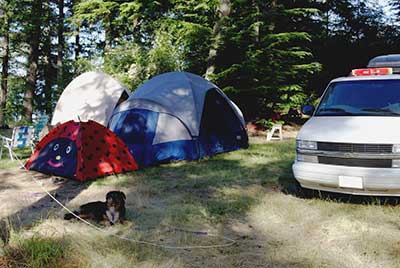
{"x": 228, "y": 244}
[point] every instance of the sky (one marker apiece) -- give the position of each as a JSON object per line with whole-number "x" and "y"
{"x": 384, "y": 4}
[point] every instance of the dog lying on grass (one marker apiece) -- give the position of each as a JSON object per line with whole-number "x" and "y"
{"x": 112, "y": 210}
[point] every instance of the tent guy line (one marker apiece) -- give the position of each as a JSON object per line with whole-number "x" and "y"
{"x": 230, "y": 242}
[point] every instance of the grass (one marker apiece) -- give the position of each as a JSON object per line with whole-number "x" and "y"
{"x": 249, "y": 195}
{"x": 36, "y": 252}
{"x": 6, "y": 163}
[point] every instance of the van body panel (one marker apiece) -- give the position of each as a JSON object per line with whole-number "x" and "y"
{"x": 352, "y": 129}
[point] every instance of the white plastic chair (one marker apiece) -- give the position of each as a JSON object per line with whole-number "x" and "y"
{"x": 270, "y": 133}
{"x": 21, "y": 137}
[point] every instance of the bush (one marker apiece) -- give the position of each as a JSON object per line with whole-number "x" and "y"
{"x": 269, "y": 123}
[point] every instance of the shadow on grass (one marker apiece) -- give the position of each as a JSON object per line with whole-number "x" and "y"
{"x": 216, "y": 188}
{"x": 43, "y": 207}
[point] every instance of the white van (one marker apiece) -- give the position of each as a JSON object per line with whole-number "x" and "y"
{"x": 351, "y": 144}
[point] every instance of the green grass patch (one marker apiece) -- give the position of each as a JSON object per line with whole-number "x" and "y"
{"x": 229, "y": 207}
{"x": 22, "y": 153}
{"x": 37, "y": 252}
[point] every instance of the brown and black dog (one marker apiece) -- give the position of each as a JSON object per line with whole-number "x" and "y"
{"x": 113, "y": 209}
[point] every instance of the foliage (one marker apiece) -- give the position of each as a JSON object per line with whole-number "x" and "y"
{"x": 269, "y": 123}
{"x": 269, "y": 55}
{"x": 273, "y": 60}
{"x": 163, "y": 56}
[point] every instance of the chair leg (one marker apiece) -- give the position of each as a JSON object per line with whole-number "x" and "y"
{"x": 269, "y": 135}
{"x": 11, "y": 155}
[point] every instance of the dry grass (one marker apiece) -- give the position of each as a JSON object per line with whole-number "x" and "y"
{"x": 243, "y": 195}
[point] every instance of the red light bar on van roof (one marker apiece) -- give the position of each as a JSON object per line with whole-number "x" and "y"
{"x": 372, "y": 71}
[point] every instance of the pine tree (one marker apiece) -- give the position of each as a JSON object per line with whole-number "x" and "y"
{"x": 60, "y": 45}
{"x": 224, "y": 9}
{"x": 266, "y": 64}
{"x": 5, "y": 32}
{"x": 33, "y": 35}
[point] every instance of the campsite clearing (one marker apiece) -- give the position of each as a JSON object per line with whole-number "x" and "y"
{"x": 248, "y": 195}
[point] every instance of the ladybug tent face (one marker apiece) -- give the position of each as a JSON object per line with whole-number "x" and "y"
{"x": 81, "y": 151}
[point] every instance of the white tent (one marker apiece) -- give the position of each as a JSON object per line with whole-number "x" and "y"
{"x": 92, "y": 95}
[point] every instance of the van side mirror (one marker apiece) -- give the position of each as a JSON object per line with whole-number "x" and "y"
{"x": 308, "y": 110}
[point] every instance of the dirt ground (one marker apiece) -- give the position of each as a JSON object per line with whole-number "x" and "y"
{"x": 236, "y": 194}
{"x": 23, "y": 201}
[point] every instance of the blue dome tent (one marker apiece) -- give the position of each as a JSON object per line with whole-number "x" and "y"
{"x": 178, "y": 116}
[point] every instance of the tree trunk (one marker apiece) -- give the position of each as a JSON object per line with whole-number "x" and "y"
{"x": 108, "y": 38}
{"x": 77, "y": 44}
{"x": 48, "y": 68}
{"x": 4, "y": 72}
{"x": 77, "y": 47}
{"x": 60, "y": 46}
{"x": 224, "y": 10}
{"x": 257, "y": 22}
{"x": 34, "y": 37}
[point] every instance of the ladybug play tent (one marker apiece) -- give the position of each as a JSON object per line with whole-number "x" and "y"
{"x": 178, "y": 116}
{"x": 81, "y": 150}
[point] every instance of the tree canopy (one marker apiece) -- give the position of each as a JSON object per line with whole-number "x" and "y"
{"x": 267, "y": 55}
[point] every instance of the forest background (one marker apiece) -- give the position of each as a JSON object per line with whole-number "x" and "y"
{"x": 267, "y": 55}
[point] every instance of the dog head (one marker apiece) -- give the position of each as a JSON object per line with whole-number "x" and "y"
{"x": 115, "y": 199}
